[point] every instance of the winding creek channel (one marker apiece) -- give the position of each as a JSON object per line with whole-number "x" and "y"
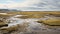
{"x": 33, "y": 25}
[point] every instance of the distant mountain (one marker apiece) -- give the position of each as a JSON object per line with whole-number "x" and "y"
{"x": 4, "y": 10}
{"x": 8, "y": 10}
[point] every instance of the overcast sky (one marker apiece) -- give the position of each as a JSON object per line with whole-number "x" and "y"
{"x": 29, "y": 5}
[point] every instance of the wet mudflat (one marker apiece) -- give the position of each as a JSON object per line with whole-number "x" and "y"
{"x": 29, "y": 26}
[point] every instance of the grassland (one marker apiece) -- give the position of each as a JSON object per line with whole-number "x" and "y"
{"x": 33, "y": 14}
{"x": 41, "y": 14}
{"x": 36, "y": 14}
{"x": 52, "y": 22}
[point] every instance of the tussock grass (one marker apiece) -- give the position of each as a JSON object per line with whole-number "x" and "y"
{"x": 53, "y": 22}
{"x": 35, "y": 12}
{"x": 3, "y": 24}
{"x": 31, "y": 16}
{"x": 23, "y": 27}
{"x": 5, "y": 15}
{"x": 3, "y": 19}
{"x": 15, "y": 29}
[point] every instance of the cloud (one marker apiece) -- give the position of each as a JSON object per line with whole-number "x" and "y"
{"x": 12, "y": 4}
{"x": 31, "y": 4}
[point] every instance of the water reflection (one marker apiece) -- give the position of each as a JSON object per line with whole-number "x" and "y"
{"x": 33, "y": 25}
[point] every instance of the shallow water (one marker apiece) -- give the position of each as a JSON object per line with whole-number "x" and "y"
{"x": 33, "y": 25}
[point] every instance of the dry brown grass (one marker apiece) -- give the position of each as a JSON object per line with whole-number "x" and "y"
{"x": 52, "y": 21}
{"x": 15, "y": 29}
{"x": 31, "y": 16}
{"x": 23, "y": 27}
{"x": 35, "y": 12}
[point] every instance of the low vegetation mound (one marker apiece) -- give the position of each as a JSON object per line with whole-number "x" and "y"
{"x": 31, "y": 16}
{"x": 52, "y": 22}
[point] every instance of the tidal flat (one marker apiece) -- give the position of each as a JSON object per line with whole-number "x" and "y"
{"x": 30, "y": 22}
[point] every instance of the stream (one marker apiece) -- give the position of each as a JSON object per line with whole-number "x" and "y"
{"x": 33, "y": 25}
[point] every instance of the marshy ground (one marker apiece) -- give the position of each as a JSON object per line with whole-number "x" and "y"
{"x": 30, "y": 23}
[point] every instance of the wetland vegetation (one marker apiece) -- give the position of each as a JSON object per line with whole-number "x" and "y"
{"x": 34, "y": 22}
